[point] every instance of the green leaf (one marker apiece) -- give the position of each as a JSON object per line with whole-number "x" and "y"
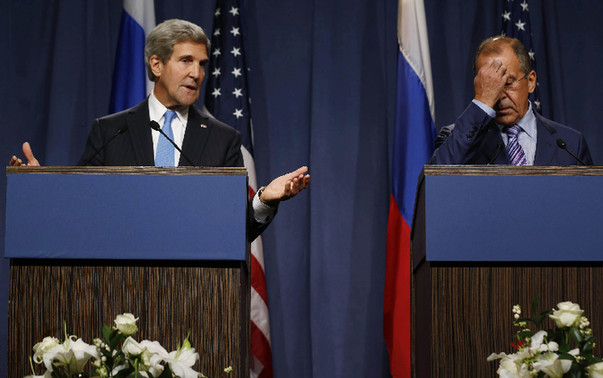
{"x": 535, "y": 304}
{"x": 588, "y": 346}
{"x": 167, "y": 372}
{"x": 524, "y": 334}
{"x": 590, "y": 359}
{"x": 575, "y": 372}
{"x": 106, "y": 332}
{"x": 576, "y": 334}
{"x": 541, "y": 317}
{"x": 566, "y": 356}
{"x": 114, "y": 339}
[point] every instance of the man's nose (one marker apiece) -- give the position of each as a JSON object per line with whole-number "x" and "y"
{"x": 195, "y": 71}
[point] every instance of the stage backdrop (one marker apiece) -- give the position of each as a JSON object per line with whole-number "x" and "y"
{"x": 322, "y": 82}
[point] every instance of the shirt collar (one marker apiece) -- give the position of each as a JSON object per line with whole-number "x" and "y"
{"x": 527, "y": 122}
{"x": 157, "y": 110}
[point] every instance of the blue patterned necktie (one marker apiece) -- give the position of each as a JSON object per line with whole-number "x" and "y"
{"x": 165, "y": 149}
{"x": 514, "y": 150}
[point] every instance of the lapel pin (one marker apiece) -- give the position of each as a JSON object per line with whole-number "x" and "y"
{"x": 203, "y": 126}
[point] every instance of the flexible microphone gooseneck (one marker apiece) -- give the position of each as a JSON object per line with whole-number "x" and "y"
{"x": 104, "y": 145}
{"x": 155, "y": 126}
{"x": 561, "y": 143}
{"x": 499, "y": 147}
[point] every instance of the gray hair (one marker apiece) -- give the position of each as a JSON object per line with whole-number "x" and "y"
{"x": 493, "y": 45}
{"x": 162, "y": 39}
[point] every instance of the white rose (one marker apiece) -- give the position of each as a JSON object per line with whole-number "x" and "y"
{"x": 126, "y": 324}
{"x": 567, "y": 314}
{"x": 595, "y": 370}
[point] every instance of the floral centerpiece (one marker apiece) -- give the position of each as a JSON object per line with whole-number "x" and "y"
{"x": 117, "y": 354}
{"x": 565, "y": 351}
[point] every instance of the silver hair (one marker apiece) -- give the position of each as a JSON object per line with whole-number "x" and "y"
{"x": 493, "y": 45}
{"x": 162, "y": 39}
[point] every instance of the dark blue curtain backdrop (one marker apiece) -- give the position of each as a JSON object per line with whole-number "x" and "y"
{"x": 322, "y": 81}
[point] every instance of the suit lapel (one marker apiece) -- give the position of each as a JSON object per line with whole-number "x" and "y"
{"x": 140, "y": 133}
{"x": 546, "y": 145}
{"x": 491, "y": 144}
{"x": 195, "y": 137}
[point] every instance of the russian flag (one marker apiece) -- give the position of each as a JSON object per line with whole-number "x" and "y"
{"x": 130, "y": 83}
{"x": 412, "y": 147}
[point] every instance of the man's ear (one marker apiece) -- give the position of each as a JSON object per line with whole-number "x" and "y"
{"x": 532, "y": 81}
{"x": 156, "y": 65}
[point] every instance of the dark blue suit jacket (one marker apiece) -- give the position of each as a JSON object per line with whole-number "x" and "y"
{"x": 475, "y": 139}
{"x": 207, "y": 142}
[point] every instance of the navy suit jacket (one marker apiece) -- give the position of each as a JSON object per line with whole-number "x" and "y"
{"x": 475, "y": 139}
{"x": 207, "y": 142}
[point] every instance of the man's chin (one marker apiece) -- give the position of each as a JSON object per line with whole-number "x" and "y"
{"x": 187, "y": 101}
{"x": 506, "y": 119}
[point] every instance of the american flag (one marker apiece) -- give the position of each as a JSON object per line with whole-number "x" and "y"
{"x": 516, "y": 24}
{"x": 227, "y": 98}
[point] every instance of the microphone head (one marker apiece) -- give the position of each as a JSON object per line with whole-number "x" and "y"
{"x": 561, "y": 143}
{"x": 154, "y": 125}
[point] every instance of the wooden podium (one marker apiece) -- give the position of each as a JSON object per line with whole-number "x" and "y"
{"x": 166, "y": 244}
{"x": 487, "y": 238}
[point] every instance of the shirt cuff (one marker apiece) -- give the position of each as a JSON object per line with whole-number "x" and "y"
{"x": 262, "y": 212}
{"x": 489, "y": 111}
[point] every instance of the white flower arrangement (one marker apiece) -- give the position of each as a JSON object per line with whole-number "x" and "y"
{"x": 116, "y": 355}
{"x": 566, "y": 351}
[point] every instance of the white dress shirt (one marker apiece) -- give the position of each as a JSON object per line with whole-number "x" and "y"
{"x": 527, "y": 136}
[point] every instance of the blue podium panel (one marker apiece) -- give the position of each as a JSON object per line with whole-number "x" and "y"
{"x": 514, "y": 218}
{"x": 126, "y": 216}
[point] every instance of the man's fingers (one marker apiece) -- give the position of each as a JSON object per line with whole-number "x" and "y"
{"x": 31, "y": 159}
{"x": 298, "y": 172}
{"x": 15, "y": 161}
{"x": 27, "y": 152}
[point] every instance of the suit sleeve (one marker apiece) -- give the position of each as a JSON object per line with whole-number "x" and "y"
{"x": 458, "y": 143}
{"x": 93, "y": 143}
{"x": 234, "y": 156}
{"x": 584, "y": 152}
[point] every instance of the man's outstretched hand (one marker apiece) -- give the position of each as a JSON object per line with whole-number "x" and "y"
{"x": 31, "y": 159}
{"x": 285, "y": 187}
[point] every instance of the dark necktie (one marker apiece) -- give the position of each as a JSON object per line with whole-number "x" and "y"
{"x": 514, "y": 150}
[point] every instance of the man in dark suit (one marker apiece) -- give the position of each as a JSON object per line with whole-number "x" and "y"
{"x": 176, "y": 53}
{"x": 500, "y": 126}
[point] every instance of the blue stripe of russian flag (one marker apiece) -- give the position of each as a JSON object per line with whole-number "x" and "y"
{"x": 129, "y": 75}
{"x": 413, "y": 137}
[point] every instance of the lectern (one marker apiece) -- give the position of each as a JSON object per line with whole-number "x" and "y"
{"x": 166, "y": 244}
{"x": 487, "y": 238}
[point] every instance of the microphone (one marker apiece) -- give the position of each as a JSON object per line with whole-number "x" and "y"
{"x": 499, "y": 147}
{"x": 104, "y": 145}
{"x": 155, "y": 126}
{"x": 561, "y": 143}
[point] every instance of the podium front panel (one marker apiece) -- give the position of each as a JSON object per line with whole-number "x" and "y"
{"x": 116, "y": 216}
{"x": 463, "y": 212}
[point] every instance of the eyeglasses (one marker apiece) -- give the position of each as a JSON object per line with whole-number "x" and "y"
{"x": 514, "y": 84}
